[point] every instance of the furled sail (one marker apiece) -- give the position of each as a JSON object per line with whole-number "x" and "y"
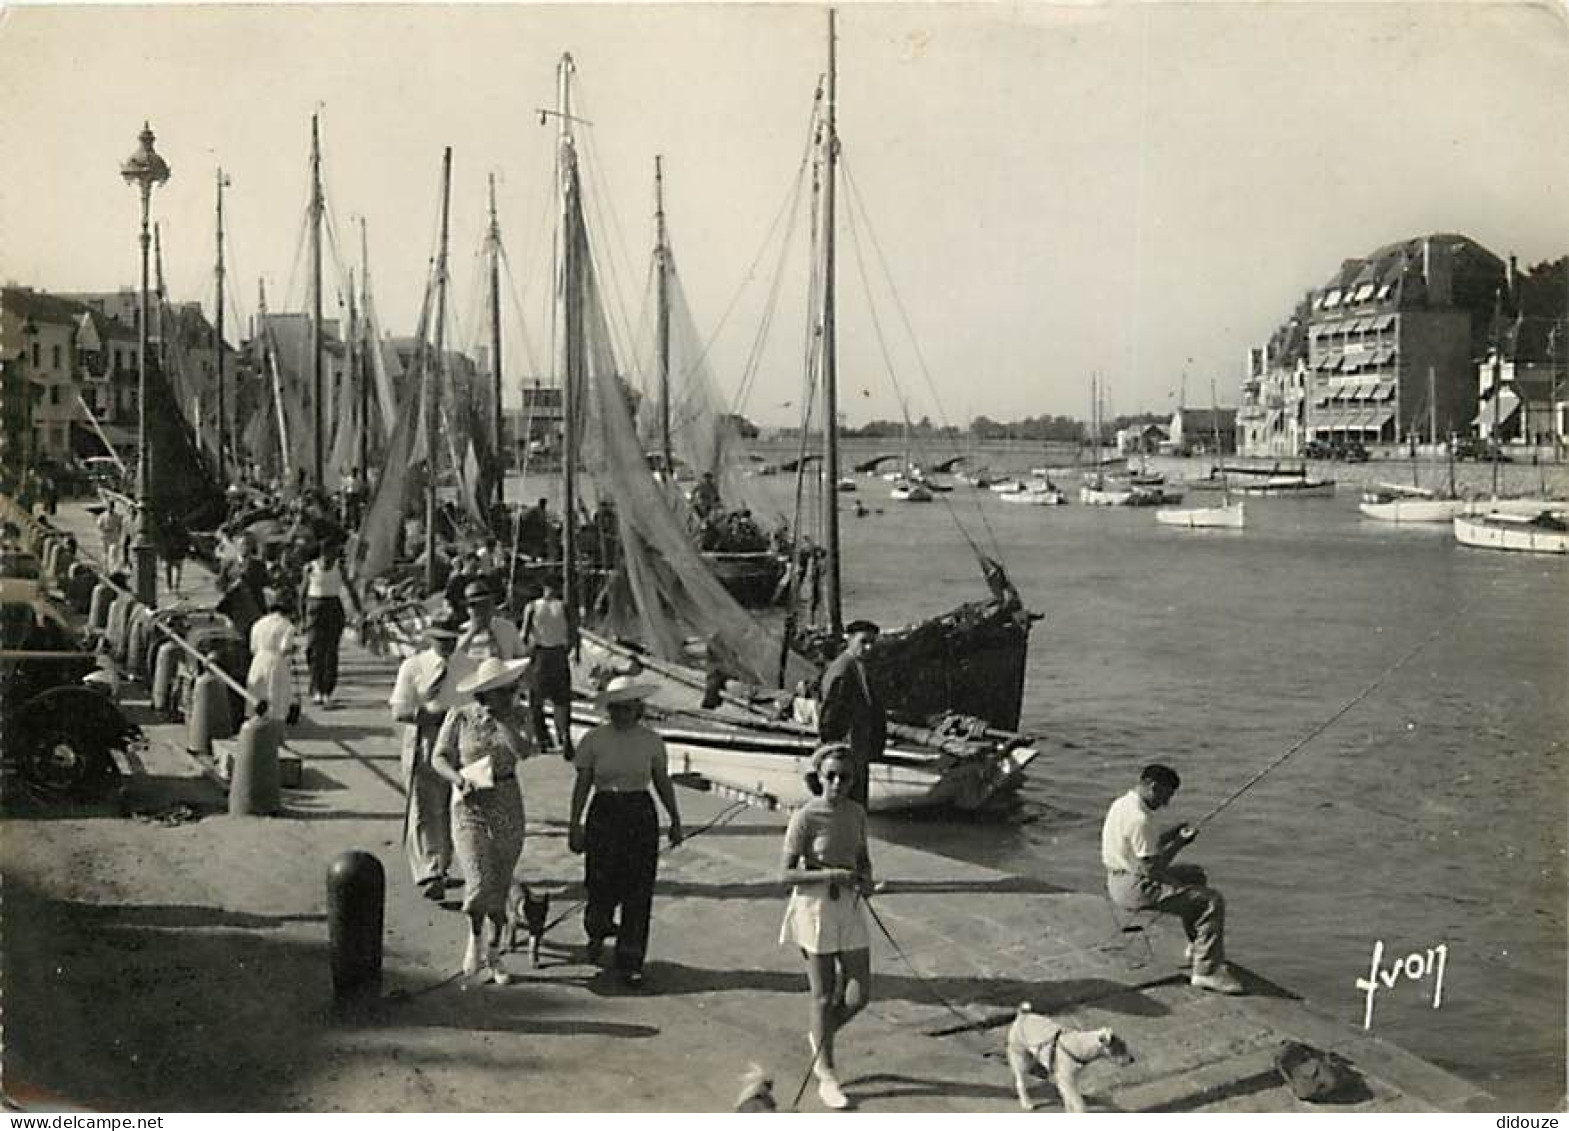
{"x": 676, "y": 597}
{"x": 375, "y": 545}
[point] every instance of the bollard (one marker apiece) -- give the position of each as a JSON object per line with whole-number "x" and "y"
{"x": 79, "y": 590}
{"x": 64, "y": 568}
{"x": 98, "y": 609}
{"x": 254, "y": 783}
{"x": 164, "y": 669}
{"x": 209, "y": 715}
{"x": 356, "y": 886}
{"x": 136, "y": 640}
{"x": 119, "y": 621}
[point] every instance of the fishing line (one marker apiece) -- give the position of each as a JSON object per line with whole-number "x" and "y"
{"x": 1320, "y": 728}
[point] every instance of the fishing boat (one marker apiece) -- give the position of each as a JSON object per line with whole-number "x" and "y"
{"x": 1544, "y": 533}
{"x": 664, "y": 615}
{"x": 910, "y": 491}
{"x": 1037, "y": 493}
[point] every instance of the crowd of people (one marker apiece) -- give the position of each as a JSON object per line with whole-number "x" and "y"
{"x": 484, "y": 694}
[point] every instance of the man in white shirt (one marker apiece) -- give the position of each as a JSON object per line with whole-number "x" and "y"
{"x": 1140, "y": 875}
{"x": 424, "y": 691}
{"x": 548, "y": 640}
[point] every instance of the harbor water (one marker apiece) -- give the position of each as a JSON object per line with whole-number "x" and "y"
{"x": 1431, "y": 813}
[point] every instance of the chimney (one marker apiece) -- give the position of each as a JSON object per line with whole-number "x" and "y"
{"x": 1512, "y": 279}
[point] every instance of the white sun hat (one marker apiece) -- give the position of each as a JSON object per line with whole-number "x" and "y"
{"x": 625, "y": 689}
{"x": 493, "y": 673}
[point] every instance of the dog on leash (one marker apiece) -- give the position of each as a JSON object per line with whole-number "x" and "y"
{"x": 529, "y": 910}
{"x": 1039, "y": 1046}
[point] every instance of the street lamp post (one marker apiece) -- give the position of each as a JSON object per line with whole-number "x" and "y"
{"x": 144, "y": 169}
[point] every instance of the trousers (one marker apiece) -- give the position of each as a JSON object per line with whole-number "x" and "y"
{"x": 324, "y": 631}
{"x": 1183, "y": 890}
{"x": 427, "y": 838}
{"x": 621, "y": 860}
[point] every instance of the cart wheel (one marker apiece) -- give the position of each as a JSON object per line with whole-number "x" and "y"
{"x": 67, "y": 765}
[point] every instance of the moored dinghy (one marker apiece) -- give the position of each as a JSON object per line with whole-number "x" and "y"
{"x": 1545, "y": 533}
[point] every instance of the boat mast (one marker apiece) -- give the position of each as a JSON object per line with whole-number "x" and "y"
{"x": 158, "y": 302}
{"x": 1214, "y": 420}
{"x": 662, "y": 323}
{"x": 270, "y": 363}
{"x": 569, "y": 327}
{"x": 316, "y": 343}
{"x": 433, "y": 388}
{"x": 367, "y": 340}
{"x": 1432, "y": 406}
{"x": 223, "y": 434}
{"x": 495, "y": 346}
{"x": 1498, "y": 348}
{"x": 831, "y": 580}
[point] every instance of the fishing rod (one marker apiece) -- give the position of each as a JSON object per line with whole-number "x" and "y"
{"x": 1321, "y": 727}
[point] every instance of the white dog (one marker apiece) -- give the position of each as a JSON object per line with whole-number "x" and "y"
{"x": 1039, "y": 1046}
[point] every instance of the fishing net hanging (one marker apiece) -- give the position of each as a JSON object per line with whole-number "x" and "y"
{"x": 676, "y": 597}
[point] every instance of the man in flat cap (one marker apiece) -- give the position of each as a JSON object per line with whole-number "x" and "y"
{"x": 849, "y": 710}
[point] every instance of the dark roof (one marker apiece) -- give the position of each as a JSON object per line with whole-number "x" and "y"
{"x": 1203, "y": 419}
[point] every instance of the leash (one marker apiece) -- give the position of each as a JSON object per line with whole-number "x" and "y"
{"x": 723, "y": 817}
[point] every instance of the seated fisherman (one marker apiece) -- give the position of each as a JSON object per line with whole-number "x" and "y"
{"x": 1140, "y": 875}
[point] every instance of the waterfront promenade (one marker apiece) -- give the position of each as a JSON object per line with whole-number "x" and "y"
{"x": 155, "y": 962}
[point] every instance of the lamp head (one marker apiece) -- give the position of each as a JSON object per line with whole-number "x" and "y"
{"x": 144, "y": 167}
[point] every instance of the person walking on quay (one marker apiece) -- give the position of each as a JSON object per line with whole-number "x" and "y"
{"x": 826, "y": 859}
{"x": 424, "y": 691}
{"x": 485, "y": 632}
{"x": 464, "y": 570}
{"x": 548, "y": 643}
{"x": 110, "y": 527}
{"x": 849, "y": 710}
{"x": 175, "y": 544}
{"x": 616, "y": 763}
{"x": 1140, "y": 875}
{"x": 477, "y": 751}
{"x": 270, "y": 677}
{"x": 325, "y": 587}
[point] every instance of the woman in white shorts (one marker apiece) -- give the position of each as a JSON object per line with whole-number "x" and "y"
{"x": 826, "y": 860}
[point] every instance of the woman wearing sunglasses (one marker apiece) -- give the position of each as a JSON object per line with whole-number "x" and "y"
{"x": 826, "y": 859}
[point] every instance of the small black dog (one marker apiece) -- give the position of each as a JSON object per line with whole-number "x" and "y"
{"x": 531, "y": 911}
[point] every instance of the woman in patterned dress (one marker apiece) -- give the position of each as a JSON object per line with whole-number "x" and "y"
{"x": 477, "y": 750}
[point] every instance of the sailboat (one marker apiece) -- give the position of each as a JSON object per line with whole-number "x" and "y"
{"x": 1228, "y": 516}
{"x": 1101, "y": 490}
{"x": 666, "y": 615}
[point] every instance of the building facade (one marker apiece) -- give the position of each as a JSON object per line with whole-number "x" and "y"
{"x": 1385, "y": 350}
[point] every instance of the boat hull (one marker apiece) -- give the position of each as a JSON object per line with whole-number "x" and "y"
{"x": 1416, "y": 510}
{"x": 1231, "y": 517}
{"x": 752, "y": 578}
{"x": 1287, "y": 488}
{"x": 1033, "y": 498}
{"x": 1489, "y": 532}
{"x": 770, "y": 770}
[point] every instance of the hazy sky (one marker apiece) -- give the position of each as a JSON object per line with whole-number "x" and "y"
{"x": 1132, "y": 189}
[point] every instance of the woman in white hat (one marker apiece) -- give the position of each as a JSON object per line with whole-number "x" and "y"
{"x": 616, "y": 763}
{"x": 477, "y": 750}
{"x": 826, "y": 859}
